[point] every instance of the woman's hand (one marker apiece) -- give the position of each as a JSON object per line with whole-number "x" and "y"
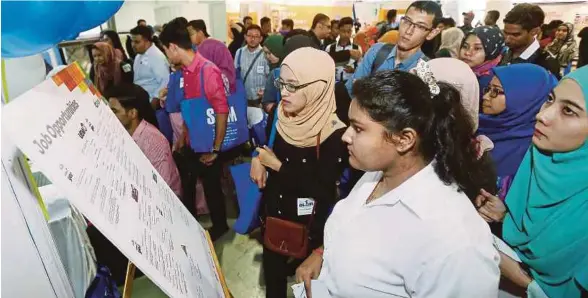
{"x": 490, "y": 207}
{"x": 258, "y": 173}
{"x": 310, "y": 269}
{"x": 268, "y": 158}
{"x": 512, "y": 270}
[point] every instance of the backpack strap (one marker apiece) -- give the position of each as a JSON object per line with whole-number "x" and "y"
{"x": 381, "y": 56}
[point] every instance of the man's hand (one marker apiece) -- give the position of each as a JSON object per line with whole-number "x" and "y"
{"x": 155, "y": 103}
{"x": 208, "y": 158}
{"x": 355, "y": 54}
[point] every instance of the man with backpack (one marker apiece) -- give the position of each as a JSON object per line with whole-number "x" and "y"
{"x": 417, "y": 26}
{"x": 252, "y": 66}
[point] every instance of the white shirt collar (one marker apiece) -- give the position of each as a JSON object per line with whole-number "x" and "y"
{"x": 411, "y": 192}
{"x": 530, "y": 50}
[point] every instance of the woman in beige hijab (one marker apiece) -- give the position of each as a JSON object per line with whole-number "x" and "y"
{"x": 450, "y": 43}
{"x": 304, "y": 166}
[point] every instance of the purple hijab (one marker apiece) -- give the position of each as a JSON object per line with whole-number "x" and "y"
{"x": 217, "y": 52}
{"x": 526, "y": 87}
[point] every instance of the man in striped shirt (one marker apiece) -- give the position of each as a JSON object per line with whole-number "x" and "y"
{"x": 252, "y": 66}
{"x": 130, "y": 104}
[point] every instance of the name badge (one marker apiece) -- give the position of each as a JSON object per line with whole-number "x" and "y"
{"x": 181, "y": 82}
{"x": 305, "y": 206}
{"x": 126, "y": 67}
{"x": 260, "y": 69}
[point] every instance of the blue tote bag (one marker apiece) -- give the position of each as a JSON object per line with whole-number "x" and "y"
{"x": 164, "y": 124}
{"x": 248, "y": 194}
{"x": 200, "y": 119}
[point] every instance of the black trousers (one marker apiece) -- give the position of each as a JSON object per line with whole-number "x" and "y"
{"x": 276, "y": 269}
{"x": 191, "y": 169}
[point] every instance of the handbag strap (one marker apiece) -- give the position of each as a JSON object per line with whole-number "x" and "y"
{"x": 318, "y": 154}
{"x": 251, "y": 66}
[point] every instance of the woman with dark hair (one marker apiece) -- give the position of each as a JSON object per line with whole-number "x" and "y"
{"x": 408, "y": 229}
{"x": 112, "y": 38}
{"x": 237, "y": 30}
{"x": 306, "y": 162}
{"x": 108, "y": 70}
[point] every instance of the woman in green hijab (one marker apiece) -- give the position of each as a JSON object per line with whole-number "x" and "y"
{"x": 273, "y": 47}
{"x": 546, "y": 213}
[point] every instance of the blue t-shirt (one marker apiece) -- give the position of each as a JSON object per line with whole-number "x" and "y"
{"x": 364, "y": 68}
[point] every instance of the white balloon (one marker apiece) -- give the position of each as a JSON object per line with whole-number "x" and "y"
{"x": 22, "y": 74}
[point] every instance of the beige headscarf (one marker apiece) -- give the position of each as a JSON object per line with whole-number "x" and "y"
{"x": 451, "y": 40}
{"x": 318, "y": 115}
{"x": 461, "y": 76}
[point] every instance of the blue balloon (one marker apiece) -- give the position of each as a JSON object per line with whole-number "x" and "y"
{"x": 31, "y": 27}
{"x": 95, "y": 13}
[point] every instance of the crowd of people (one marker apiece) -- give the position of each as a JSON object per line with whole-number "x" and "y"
{"x": 411, "y": 159}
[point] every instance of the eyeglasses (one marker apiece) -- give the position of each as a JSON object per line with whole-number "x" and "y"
{"x": 494, "y": 92}
{"x": 408, "y": 22}
{"x": 253, "y": 36}
{"x": 292, "y": 88}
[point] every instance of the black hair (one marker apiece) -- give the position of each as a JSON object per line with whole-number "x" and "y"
{"x": 139, "y": 22}
{"x": 199, "y": 25}
{"x": 176, "y": 32}
{"x": 346, "y": 21}
{"x": 391, "y": 14}
{"x": 253, "y": 27}
{"x": 144, "y": 31}
{"x": 321, "y": 17}
{"x": 449, "y": 22}
{"x": 264, "y": 20}
{"x": 131, "y": 96}
{"x": 116, "y": 43}
{"x": 494, "y": 15}
{"x": 335, "y": 22}
{"x": 555, "y": 24}
{"x": 429, "y": 7}
{"x": 288, "y": 22}
{"x": 247, "y": 18}
{"x": 399, "y": 100}
{"x": 528, "y": 16}
{"x": 295, "y": 32}
{"x": 179, "y": 20}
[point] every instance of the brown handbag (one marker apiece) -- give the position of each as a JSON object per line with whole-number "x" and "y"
{"x": 286, "y": 237}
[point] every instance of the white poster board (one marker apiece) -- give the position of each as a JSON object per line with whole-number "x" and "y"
{"x": 79, "y": 144}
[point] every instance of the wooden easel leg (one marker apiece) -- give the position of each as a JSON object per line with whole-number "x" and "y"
{"x": 218, "y": 268}
{"x": 129, "y": 279}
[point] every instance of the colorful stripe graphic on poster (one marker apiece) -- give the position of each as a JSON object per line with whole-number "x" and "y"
{"x": 71, "y": 134}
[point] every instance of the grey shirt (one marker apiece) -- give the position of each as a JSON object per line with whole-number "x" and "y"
{"x": 258, "y": 74}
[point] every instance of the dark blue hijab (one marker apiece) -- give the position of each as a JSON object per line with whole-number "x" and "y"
{"x": 526, "y": 87}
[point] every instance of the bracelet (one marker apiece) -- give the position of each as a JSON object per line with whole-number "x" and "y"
{"x": 319, "y": 251}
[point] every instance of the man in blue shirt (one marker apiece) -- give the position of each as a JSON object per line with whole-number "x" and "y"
{"x": 150, "y": 65}
{"x": 418, "y": 25}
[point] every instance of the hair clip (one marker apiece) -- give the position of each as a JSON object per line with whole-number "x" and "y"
{"x": 423, "y": 71}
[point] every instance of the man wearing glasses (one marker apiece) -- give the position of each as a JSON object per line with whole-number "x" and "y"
{"x": 252, "y": 66}
{"x": 320, "y": 30}
{"x": 417, "y": 26}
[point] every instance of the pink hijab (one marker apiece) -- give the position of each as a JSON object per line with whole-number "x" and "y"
{"x": 461, "y": 76}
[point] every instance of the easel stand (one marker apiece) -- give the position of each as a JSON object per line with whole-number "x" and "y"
{"x": 130, "y": 276}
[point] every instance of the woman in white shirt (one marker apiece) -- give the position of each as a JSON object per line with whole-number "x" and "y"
{"x": 408, "y": 229}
